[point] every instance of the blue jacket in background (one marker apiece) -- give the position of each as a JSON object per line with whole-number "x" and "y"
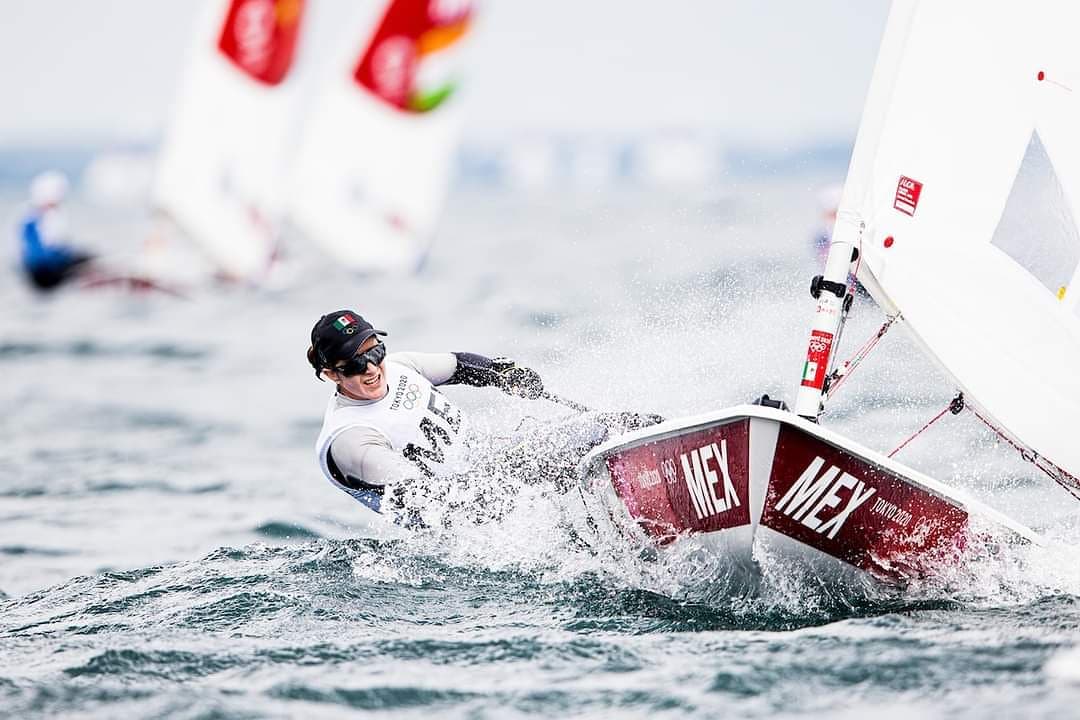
{"x": 36, "y": 254}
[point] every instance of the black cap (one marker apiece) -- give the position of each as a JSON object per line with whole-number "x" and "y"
{"x": 337, "y": 335}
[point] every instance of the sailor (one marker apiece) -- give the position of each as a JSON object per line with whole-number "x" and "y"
{"x": 47, "y": 261}
{"x": 388, "y": 429}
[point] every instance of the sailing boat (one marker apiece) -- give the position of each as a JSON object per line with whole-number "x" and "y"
{"x": 374, "y": 158}
{"x": 355, "y": 150}
{"x": 220, "y": 168}
{"x": 961, "y": 91}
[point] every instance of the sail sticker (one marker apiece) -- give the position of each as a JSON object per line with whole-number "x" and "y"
{"x": 409, "y": 63}
{"x": 817, "y": 359}
{"x": 907, "y": 195}
{"x": 259, "y": 37}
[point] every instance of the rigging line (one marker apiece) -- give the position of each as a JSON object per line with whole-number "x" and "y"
{"x": 838, "y": 376}
{"x": 955, "y": 406}
{"x": 1065, "y": 479}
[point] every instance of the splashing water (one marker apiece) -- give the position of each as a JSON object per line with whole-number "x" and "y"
{"x": 169, "y": 548}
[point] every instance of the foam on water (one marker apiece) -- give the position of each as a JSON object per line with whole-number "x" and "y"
{"x": 457, "y": 630}
{"x": 170, "y": 548}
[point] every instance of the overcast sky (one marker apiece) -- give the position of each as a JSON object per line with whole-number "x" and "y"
{"x": 769, "y": 71}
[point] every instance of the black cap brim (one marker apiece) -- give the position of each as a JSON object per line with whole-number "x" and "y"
{"x": 348, "y": 348}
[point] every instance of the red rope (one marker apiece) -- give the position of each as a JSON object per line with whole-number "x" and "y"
{"x": 1070, "y": 483}
{"x": 920, "y": 430}
{"x": 1063, "y": 478}
{"x": 860, "y": 355}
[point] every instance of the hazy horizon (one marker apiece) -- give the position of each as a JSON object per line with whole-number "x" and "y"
{"x": 775, "y": 74}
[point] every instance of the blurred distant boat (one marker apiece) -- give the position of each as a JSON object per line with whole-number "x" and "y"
{"x": 220, "y": 170}
{"x": 676, "y": 160}
{"x": 593, "y": 162}
{"x": 355, "y": 151}
{"x": 673, "y": 161}
{"x": 530, "y": 164}
{"x": 964, "y": 95}
{"x": 119, "y": 178}
{"x": 374, "y": 157}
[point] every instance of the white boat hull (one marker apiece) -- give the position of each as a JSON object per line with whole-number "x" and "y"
{"x": 752, "y": 479}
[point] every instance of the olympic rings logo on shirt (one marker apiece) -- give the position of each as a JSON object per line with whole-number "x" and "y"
{"x": 412, "y": 394}
{"x": 405, "y": 395}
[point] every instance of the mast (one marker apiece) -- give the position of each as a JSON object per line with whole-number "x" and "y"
{"x": 833, "y": 301}
{"x": 856, "y": 208}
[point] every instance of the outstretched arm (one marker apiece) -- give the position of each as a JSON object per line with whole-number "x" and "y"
{"x": 464, "y": 368}
{"x": 502, "y": 373}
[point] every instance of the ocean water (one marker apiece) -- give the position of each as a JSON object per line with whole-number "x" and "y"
{"x": 169, "y": 548}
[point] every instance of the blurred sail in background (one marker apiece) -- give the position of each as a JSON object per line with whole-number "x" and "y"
{"x": 220, "y": 168}
{"x": 374, "y": 159}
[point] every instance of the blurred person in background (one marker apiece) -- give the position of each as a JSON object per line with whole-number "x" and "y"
{"x": 388, "y": 430}
{"x": 828, "y": 199}
{"x": 47, "y": 261}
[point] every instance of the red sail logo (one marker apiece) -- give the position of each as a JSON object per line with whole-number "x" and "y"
{"x": 259, "y": 37}
{"x": 907, "y": 195}
{"x": 406, "y": 62}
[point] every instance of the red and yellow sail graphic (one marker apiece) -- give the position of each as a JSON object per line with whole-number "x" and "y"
{"x": 259, "y": 37}
{"x": 404, "y": 65}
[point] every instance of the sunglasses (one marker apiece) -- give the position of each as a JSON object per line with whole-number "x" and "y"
{"x": 357, "y": 364}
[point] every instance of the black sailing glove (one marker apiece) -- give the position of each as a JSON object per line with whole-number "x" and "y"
{"x": 503, "y": 373}
{"x": 514, "y": 379}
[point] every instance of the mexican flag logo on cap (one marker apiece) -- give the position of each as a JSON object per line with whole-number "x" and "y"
{"x": 344, "y": 321}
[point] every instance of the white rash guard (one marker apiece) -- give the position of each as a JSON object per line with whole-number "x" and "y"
{"x": 411, "y": 432}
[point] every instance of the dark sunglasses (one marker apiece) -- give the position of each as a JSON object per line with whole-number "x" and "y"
{"x": 357, "y": 364}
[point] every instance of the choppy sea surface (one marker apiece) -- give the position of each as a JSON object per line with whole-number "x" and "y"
{"x": 168, "y": 546}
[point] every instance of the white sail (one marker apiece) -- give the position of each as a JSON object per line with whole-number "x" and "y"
{"x": 962, "y": 89}
{"x": 374, "y": 159}
{"x": 220, "y": 169}
{"x": 951, "y": 113}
